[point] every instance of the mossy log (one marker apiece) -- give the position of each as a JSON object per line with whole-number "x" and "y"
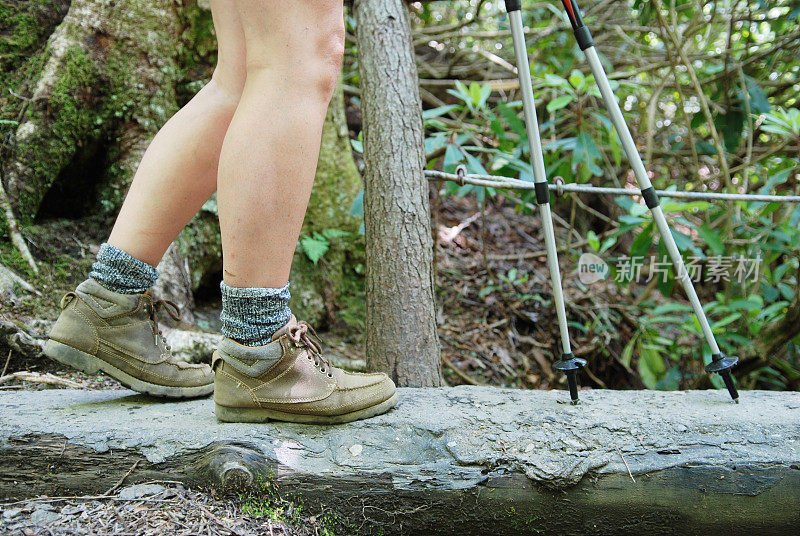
{"x": 463, "y": 460}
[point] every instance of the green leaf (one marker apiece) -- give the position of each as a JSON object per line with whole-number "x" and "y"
{"x": 553, "y": 80}
{"x": 627, "y": 352}
{"x": 438, "y": 112}
{"x": 594, "y": 242}
{"x": 577, "y": 79}
{"x": 357, "y": 208}
{"x": 559, "y": 102}
{"x": 712, "y": 238}
{"x": 651, "y": 365}
{"x": 642, "y": 243}
{"x": 758, "y": 99}
{"x": 314, "y": 247}
{"x": 334, "y": 233}
{"x": 607, "y": 243}
{"x": 486, "y": 91}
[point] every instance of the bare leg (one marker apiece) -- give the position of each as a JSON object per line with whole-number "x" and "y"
{"x": 179, "y": 170}
{"x": 269, "y": 158}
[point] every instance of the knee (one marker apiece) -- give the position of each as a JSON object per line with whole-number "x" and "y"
{"x": 330, "y": 48}
{"x": 228, "y": 81}
{"x": 310, "y": 63}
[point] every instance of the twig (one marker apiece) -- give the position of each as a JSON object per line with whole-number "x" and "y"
{"x": 460, "y": 373}
{"x": 8, "y": 359}
{"x": 13, "y": 230}
{"x": 626, "y": 466}
{"x": 701, "y": 96}
{"x": 36, "y": 377}
{"x": 114, "y": 488}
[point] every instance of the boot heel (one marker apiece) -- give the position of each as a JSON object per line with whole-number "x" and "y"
{"x": 68, "y": 355}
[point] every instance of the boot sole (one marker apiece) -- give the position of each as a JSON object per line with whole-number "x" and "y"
{"x": 261, "y": 415}
{"x": 67, "y": 355}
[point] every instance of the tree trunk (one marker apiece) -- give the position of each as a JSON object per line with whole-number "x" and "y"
{"x": 402, "y": 337}
{"x": 99, "y": 90}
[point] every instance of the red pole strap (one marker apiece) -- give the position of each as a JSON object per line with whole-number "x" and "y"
{"x": 568, "y": 6}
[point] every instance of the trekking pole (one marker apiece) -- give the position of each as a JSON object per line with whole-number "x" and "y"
{"x": 568, "y": 362}
{"x": 720, "y": 363}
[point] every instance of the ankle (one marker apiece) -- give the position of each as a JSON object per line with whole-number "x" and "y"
{"x": 118, "y": 271}
{"x": 252, "y": 315}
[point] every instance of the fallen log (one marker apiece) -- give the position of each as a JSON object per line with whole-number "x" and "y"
{"x": 467, "y": 460}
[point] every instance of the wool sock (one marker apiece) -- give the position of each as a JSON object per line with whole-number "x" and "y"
{"x": 251, "y": 315}
{"x": 118, "y": 271}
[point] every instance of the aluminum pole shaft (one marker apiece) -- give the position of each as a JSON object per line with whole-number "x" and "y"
{"x": 539, "y": 174}
{"x": 628, "y": 145}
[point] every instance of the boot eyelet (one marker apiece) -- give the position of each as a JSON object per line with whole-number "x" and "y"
{"x": 322, "y": 370}
{"x": 330, "y": 375}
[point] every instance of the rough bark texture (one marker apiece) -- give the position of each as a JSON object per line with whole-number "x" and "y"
{"x": 174, "y": 284}
{"x": 464, "y": 460}
{"x": 108, "y": 70}
{"x": 402, "y": 336}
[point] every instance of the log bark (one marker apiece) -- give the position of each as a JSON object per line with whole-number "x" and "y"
{"x": 464, "y": 460}
{"x": 402, "y": 336}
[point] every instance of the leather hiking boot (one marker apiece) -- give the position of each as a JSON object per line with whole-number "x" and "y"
{"x": 288, "y": 379}
{"x": 99, "y": 329}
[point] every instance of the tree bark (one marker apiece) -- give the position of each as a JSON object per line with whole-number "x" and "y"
{"x": 402, "y": 337}
{"x": 106, "y": 84}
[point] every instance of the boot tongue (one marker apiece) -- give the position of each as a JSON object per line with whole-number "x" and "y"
{"x": 285, "y": 329}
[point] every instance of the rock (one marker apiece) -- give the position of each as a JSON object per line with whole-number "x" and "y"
{"x": 17, "y": 338}
{"x": 9, "y": 280}
{"x": 42, "y": 515}
{"x": 138, "y": 491}
{"x": 11, "y": 513}
{"x": 192, "y": 346}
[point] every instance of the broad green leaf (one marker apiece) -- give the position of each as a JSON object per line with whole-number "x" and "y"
{"x": 594, "y": 242}
{"x": 438, "y": 112}
{"x": 357, "y": 208}
{"x": 559, "y": 102}
{"x": 577, "y": 79}
{"x": 314, "y": 247}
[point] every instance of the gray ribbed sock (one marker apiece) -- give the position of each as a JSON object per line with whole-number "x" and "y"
{"x": 251, "y": 315}
{"x": 118, "y": 271}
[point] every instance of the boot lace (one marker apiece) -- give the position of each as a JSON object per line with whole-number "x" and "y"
{"x": 172, "y": 310}
{"x": 301, "y": 333}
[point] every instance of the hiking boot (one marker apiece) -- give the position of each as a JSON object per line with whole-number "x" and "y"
{"x": 99, "y": 329}
{"x": 288, "y": 379}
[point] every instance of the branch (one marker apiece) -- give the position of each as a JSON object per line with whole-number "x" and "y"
{"x": 13, "y": 230}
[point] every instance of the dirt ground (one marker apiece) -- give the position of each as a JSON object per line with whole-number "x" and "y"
{"x": 158, "y": 509}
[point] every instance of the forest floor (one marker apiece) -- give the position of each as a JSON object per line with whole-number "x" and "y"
{"x": 162, "y": 508}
